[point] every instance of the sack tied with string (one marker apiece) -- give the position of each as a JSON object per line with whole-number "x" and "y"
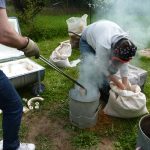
{"x": 126, "y": 103}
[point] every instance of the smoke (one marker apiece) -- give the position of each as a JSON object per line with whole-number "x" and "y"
{"x": 92, "y": 74}
{"x": 132, "y": 15}
{"x": 87, "y": 77}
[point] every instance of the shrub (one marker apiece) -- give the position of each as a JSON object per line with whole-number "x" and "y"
{"x": 28, "y": 9}
{"x": 45, "y": 27}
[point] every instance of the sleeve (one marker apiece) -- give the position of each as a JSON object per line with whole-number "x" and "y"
{"x": 124, "y": 70}
{"x": 2, "y": 4}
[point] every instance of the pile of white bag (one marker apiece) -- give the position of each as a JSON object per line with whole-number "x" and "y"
{"x": 126, "y": 103}
{"x": 60, "y": 56}
{"x": 77, "y": 24}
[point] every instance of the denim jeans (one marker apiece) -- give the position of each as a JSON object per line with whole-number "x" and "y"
{"x": 85, "y": 49}
{"x": 103, "y": 86}
{"x": 11, "y": 105}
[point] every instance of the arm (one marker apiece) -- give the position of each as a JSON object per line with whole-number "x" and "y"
{"x": 8, "y": 36}
{"x": 124, "y": 83}
{"x": 116, "y": 81}
{"x": 124, "y": 75}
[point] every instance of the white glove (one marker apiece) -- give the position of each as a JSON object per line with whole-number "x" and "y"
{"x": 31, "y": 49}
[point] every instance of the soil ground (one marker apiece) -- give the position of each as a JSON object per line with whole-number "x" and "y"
{"x": 53, "y": 129}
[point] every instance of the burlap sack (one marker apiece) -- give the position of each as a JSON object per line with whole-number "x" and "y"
{"x": 125, "y": 103}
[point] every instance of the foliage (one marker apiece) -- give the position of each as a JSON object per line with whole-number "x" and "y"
{"x": 85, "y": 139}
{"x": 70, "y": 3}
{"x": 126, "y": 142}
{"x": 44, "y": 143}
{"x": 102, "y": 6}
{"x": 28, "y": 9}
{"x": 44, "y": 28}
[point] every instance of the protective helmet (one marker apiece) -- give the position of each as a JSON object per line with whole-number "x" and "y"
{"x": 123, "y": 50}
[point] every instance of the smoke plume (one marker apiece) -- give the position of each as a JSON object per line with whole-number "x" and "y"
{"x": 131, "y": 15}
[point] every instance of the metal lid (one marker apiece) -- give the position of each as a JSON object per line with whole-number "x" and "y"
{"x": 74, "y": 94}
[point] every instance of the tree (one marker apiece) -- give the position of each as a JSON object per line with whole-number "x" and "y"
{"x": 28, "y": 9}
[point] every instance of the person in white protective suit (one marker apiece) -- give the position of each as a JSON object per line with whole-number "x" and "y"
{"x": 111, "y": 49}
{"x": 10, "y": 101}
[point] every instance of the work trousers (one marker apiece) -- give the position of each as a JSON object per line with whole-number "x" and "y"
{"x": 11, "y": 106}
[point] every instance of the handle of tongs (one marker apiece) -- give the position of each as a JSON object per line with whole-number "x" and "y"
{"x": 60, "y": 71}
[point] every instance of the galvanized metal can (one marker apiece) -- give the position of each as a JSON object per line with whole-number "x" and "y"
{"x": 143, "y": 139}
{"x": 83, "y": 110}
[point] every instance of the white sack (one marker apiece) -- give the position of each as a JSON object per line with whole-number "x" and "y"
{"x": 126, "y": 104}
{"x": 77, "y": 24}
{"x": 60, "y": 56}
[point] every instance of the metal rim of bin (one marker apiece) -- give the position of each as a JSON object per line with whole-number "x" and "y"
{"x": 140, "y": 123}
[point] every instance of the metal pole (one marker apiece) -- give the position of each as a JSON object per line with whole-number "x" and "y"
{"x": 60, "y": 71}
{"x": 90, "y": 6}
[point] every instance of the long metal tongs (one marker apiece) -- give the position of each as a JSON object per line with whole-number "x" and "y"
{"x": 60, "y": 71}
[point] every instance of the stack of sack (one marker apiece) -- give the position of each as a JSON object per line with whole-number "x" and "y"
{"x": 61, "y": 54}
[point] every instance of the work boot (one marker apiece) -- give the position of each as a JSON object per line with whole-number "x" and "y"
{"x": 23, "y": 146}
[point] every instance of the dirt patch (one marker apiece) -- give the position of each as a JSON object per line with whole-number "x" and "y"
{"x": 49, "y": 128}
{"x": 104, "y": 121}
{"x": 144, "y": 52}
{"x": 53, "y": 129}
{"x": 106, "y": 144}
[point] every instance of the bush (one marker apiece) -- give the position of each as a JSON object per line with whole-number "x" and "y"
{"x": 46, "y": 27}
{"x": 28, "y": 9}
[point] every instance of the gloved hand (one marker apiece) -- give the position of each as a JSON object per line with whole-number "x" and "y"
{"x": 31, "y": 49}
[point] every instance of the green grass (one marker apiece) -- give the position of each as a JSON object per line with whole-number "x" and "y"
{"x": 43, "y": 27}
{"x": 85, "y": 140}
{"x": 57, "y": 94}
{"x": 47, "y": 27}
{"x": 55, "y": 108}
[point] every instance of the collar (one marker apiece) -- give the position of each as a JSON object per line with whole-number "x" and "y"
{"x": 120, "y": 60}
